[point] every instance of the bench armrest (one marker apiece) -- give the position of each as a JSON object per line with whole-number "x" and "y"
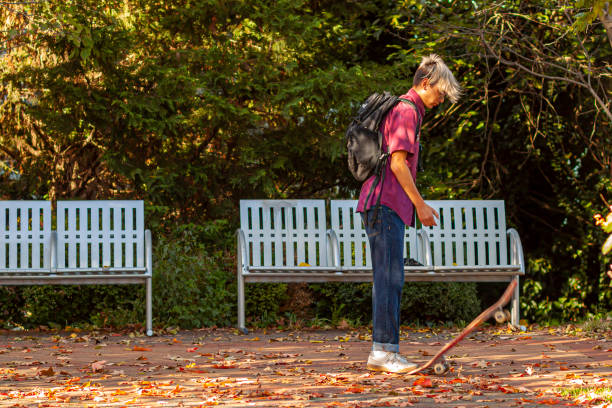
{"x": 424, "y": 247}
{"x": 333, "y": 248}
{"x": 242, "y": 258}
{"x": 149, "y": 252}
{"x": 516, "y": 249}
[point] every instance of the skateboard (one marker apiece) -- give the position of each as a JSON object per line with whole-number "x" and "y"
{"x": 496, "y": 310}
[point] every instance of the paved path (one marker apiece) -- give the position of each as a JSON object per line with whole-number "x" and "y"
{"x": 495, "y": 368}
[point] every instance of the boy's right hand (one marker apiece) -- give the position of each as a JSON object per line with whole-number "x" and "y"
{"x": 427, "y": 215}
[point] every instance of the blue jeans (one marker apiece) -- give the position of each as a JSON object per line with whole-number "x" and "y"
{"x": 386, "y": 235}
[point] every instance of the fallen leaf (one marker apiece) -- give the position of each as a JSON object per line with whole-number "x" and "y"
{"x": 423, "y": 382}
{"x": 97, "y": 365}
{"x": 47, "y": 373}
{"x": 549, "y": 401}
{"x": 225, "y": 365}
{"x": 481, "y": 364}
{"x": 355, "y": 389}
{"x": 138, "y": 348}
{"x": 119, "y": 392}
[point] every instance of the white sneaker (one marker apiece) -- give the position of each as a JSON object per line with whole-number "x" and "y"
{"x": 389, "y": 361}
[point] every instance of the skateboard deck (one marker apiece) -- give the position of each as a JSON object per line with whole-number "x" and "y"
{"x": 493, "y": 310}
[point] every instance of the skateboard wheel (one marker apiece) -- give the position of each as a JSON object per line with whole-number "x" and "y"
{"x": 441, "y": 368}
{"x": 500, "y": 316}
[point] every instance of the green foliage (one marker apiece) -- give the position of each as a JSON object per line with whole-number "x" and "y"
{"x": 11, "y": 305}
{"x": 60, "y": 306}
{"x": 263, "y": 302}
{"x": 342, "y": 300}
{"x": 191, "y": 286}
{"x": 435, "y": 302}
{"x": 440, "y": 302}
{"x": 194, "y": 106}
{"x": 534, "y": 134}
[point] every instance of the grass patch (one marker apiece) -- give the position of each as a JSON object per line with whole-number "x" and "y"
{"x": 598, "y": 325}
{"x": 587, "y": 395}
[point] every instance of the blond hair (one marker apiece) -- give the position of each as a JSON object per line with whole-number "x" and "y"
{"x": 434, "y": 68}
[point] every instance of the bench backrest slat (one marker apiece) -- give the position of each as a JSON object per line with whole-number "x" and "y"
{"x": 469, "y": 232}
{"x": 352, "y": 237}
{"x": 25, "y": 228}
{"x": 97, "y": 234}
{"x": 284, "y": 232}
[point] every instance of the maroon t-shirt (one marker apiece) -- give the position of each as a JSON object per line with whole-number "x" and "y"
{"x": 399, "y": 130}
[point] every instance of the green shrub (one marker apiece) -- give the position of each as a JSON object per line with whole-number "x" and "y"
{"x": 439, "y": 302}
{"x": 70, "y": 305}
{"x": 337, "y": 300}
{"x": 421, "y": 302}
{"x": 191, "y": 287}
{"x": 263, "y": 302}
{"x": 11, "y": 306}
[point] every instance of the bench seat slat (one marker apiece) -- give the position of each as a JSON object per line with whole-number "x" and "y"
{"x": 367, "y": 277}
{"x": 96, "y": 270}
{"x": 478, "y": 268}
{"x": 73, "y": 280}
{"x": 297, "y": 269}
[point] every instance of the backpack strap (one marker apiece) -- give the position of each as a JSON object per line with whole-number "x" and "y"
{"x": 418, "y": 132}
{"x": 420, "y": 121}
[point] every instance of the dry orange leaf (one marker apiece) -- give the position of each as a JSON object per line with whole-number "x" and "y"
{"x": 355, "y": 389}
{"x": 549, "y": 401}
{"x": 224, "y": 365}
{"x": 48, "y": 372}
{"x": 507, "y": 389}
{"x": 423, "y": 382}
{"x": 138, "y": 348}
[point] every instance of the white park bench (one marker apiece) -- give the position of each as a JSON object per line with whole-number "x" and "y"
{"x": 282, "y": 241}
{"x": 469, "y": 244}
{"x": 95, "y": 242}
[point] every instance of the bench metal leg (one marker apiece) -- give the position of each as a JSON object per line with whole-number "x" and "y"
{"x": 515, "y": 310}
{"x": 241, "y": 318}
{"x": 149, "y": 281}
{"x": 149, "y": 306}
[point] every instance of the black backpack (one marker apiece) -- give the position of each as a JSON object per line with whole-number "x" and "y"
{"x": 364, "y": 138}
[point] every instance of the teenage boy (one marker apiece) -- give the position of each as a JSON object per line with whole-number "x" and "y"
{"x": 432, "y": 83}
